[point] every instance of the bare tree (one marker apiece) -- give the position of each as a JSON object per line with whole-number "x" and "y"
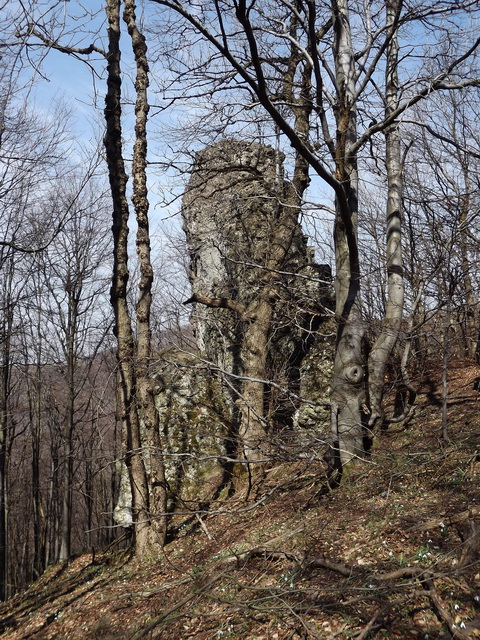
{"x": 441, "y": 207}
{"x": 385, "y": 342}
{"x": 343, "y": 47}
{"x": 29, "y": 159}
{"x": 74, "y": 275}
{"x": 148, "y": 507}
{"x": 133, "y": 332}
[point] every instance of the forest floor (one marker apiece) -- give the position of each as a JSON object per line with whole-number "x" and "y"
{"x": 394, "y": 552}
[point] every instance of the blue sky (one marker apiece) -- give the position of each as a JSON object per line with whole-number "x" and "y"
{"x": 67, "y": 77}
{"x": 72, "y": 81}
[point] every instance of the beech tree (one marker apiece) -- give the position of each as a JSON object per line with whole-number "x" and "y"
{"x": 71, "y": 268}
{"x": 51, "y": 326}
{"x": 135, "y": 400}
{"x": 361, "y": 83}
{"x": 441, "y": 210}
{"x": 442, "y": 205}
{"x": 135, "y": 387}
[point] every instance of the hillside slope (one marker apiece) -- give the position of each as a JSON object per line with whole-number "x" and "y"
{"x": 392, "y": 553}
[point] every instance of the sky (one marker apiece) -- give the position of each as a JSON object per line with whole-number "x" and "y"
{"x": 82, "y": 88}
{"x": 72, "y": 81}
{"x": 77, "y": 80}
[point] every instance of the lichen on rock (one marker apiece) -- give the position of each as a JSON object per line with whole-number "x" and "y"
{"x": 232, "y": 208}
{"x": 230, "y": 211}
{"x": 194, "y": 424}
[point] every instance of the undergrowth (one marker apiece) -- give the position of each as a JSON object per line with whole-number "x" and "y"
{"x": 392, "y": 553}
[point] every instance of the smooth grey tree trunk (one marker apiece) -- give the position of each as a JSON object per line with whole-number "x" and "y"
{"x": 385, "y": 343}
{"x": 348, "y": 394}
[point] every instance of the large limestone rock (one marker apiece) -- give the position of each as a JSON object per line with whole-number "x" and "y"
{"x": 195, "y": 424}
{"x": 194, "y": 430}
{"x": 230, "y": 211}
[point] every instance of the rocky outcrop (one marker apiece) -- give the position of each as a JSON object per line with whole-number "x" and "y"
{"x": 232, "y": 207}
{"x": 195, "y": 424}
{"x": 228, "y": 211}
{"x": 194, "y": 432}
{"x": 233, "y": 211}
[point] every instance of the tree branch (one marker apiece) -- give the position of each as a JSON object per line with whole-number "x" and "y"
{"x": 258, "y": 85}
{"x": 219, "y": 303}
{"x": 437, "y": 84}
{"x": 31, "y": 31}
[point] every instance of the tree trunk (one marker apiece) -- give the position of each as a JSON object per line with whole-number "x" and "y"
{"x": 383, "y": 347}
{"x": 252, "y": 432}
{"x": 470, "y": 298}
{"x": 348, "y": 394}
{"x": 157, "y": 484}
{"x": 126, "y": 381}
{"x": 35, "y": 402}
{"x": 6, "y": 428}
{"x": 445, "y": 358}
{"x": 3, "y": 508}
{"x": 70, "y": 349}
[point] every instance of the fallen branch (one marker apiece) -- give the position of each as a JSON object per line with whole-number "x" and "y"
{"x": 325, "y": 563}
{"x": 424, "y": 576}
{"x": 142, "y": 633}
{"x": 366, "y": 630}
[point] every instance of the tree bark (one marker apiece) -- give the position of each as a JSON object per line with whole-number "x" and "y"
{"x": 71, "y": 337}
{"x": 252, "y": 431}
{"x": 126, "y": 380}
{"x": 6, "y": 427}
{"x": 348, "y": 394}
{"x": 145, "y": 398}
{"x": 385, "y": 343}
{"x": 470, "y": 298}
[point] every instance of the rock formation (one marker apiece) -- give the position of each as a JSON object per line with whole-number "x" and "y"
{"x": 194, "y": 426}
{"x": 232, "y": 212}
